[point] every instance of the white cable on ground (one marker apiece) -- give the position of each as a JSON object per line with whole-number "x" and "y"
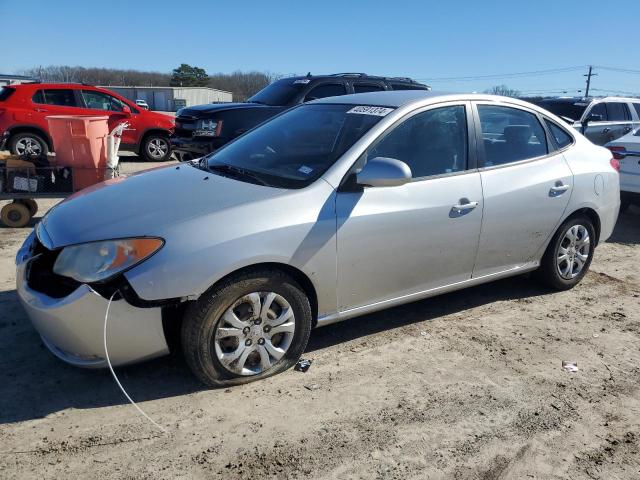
{"x": 115, "y": 377}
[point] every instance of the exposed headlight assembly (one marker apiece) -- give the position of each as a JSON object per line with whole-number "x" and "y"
{"x": 96, "y": 261}
{"x": 208, "y": 128}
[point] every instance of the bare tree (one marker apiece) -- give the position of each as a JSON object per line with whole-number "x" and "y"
{"x": 504, "y": 91}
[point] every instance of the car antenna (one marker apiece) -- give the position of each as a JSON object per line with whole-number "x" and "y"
{"x": 308, "y": 74}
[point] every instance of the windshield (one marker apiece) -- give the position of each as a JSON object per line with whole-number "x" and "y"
{"x": 569, "y": 109}
{"x": 297, "y": 147}
{"x": 279, "y": 93}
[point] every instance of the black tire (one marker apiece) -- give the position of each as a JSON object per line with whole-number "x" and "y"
{"x": 149, "y": 148}
{"x": 202, "y": 319}
{"x": 15, "y": 215}
{"x": 31, "y": 204}
{"x": 17, "y": 141}
{"x": 548, "y": 273}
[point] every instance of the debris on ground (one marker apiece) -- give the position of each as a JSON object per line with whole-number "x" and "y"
{"x": 303, "y": 365}
{"x": 570, "y": 366}
{"x": 312, "y": 387}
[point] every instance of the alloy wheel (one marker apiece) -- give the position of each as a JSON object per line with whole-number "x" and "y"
{"x": 28, "y": 146}
{"x": 254, "y": 333}
{"x": 573, "y": 252}
{"x": 157, "y": 148}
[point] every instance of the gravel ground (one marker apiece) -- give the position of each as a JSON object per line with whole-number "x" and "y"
{"x": 466, "y": 385}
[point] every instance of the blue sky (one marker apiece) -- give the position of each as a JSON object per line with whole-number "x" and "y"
{"x": 422, "y": 39}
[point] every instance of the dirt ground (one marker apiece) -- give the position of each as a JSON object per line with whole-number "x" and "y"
{"x": 466, "y": 385}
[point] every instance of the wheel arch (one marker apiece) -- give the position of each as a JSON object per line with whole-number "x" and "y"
{"x": 296, "y": 274}
{"x": 30, "y": 129}
{"x": 592, "y": 215}
{"x": 151, "y": 131}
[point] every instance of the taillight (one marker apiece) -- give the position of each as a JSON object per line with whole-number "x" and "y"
{"x": 615, "y": 163}
{"x": 617, "y": 156}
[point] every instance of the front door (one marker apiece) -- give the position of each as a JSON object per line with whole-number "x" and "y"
{"x": 526, "y": 188}
{"x": 100, "y": 103}
{"x": 398, "y": 241}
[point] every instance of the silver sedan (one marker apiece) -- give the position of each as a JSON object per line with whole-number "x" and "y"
{"x": 331, "y": 210}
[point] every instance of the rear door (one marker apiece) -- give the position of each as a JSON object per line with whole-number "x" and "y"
{"x": 598, "y": 131}
{"x": 620, "y": 121}
{"x": 526, "y": 184}
{"x": 52, "y": 101}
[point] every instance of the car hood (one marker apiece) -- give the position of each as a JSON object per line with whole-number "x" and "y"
{"x": 145, "y": 204}
{"x": 198, "y": 110}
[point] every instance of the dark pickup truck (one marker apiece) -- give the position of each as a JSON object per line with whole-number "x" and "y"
{"x": 202, "y": 129}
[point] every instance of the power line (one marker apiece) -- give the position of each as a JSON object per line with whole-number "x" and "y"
{"x": 621, "y": 70}
{"x": 503, "y": 75}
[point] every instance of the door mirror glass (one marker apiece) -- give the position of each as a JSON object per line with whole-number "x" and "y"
{"x": 384, "y": 172}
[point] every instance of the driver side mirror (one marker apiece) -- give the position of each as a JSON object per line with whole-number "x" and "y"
{"x": 384, "y": 172}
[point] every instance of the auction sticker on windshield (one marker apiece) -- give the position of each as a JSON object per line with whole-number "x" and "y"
{"x": 367, "y": 110}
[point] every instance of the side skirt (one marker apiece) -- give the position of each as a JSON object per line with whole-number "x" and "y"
{"x": 374, "y": 307}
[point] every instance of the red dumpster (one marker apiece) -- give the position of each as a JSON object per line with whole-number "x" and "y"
{"x": 80, "y": 142}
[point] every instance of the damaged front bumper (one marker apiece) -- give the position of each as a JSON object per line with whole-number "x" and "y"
{"x": 72, "y": 327}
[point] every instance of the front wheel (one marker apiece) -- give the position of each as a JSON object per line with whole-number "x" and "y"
{"x": 28, "y": 145}
{"x": 156, "y": 148}
{"x": 569, "y": 254}
{"x": 249, "y": 327}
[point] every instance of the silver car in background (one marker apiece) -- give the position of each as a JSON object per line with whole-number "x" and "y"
{"x": 331, "y": 210}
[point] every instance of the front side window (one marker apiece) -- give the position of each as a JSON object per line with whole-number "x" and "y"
{"x": 510, "y": 135}
{"x": 618, "y": 112}
{"x": 431, "y": 143}
{"x": 101, "y": 101}
{"x": 366, "y": 87}
{"x": 599, "y": 109}
{"x": 326, "y": 90}
{"x": 294, "y": 149}
{"x": 562, "y": 138}
{"x": 637, "y": 107}
{"x": 60, "y": 97}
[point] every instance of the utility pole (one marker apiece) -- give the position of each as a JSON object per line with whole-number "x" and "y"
{"x": 589, "y": 75}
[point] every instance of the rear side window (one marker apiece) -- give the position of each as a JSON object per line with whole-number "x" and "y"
{"x": 617, "y": 111}
{"x": 563, "y": 139}
{"x": 101, "y": 101}
{"x": 366, "y": 87}
{"x": 406, "y": 86}
{"x": 5, "y": 92}
{"x": 637, "y": 107}
{"x": 510, "y": 135}
{"x": 326, "y": 90}
{"x": 61, "y": 97}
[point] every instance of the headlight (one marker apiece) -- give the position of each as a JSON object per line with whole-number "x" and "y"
{"x": 93, "y": 262}
{"x": 208, "y": 128}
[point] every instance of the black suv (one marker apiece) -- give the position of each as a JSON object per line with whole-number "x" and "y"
{"x": 204, "y": 128}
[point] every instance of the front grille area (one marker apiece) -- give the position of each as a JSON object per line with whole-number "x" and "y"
{"x": 40, "y": 276}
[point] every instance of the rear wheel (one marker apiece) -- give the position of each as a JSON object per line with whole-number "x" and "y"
{"x": 156, "y": 148}
{"x": 28, "y": 144}
{"x": 249, "y": 327}
{"x": 15, "y": 214}
{"x": 569, "y": 254}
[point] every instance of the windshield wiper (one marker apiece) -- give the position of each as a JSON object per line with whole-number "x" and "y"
{"x": 237, "y": 172}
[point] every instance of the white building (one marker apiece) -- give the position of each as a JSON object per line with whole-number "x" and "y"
{"x": 170, "y": 99}
{"x": 15, "y": 79}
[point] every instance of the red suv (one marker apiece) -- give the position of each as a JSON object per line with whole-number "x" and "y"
{"x": 24, "y": 108}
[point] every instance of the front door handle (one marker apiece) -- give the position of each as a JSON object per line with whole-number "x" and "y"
{"x": 626, "y": 129}
{"x": 463, "y": 207}
{"x": 606, "y": 130}
{"x": 558, "y": 189}
{"x": 41, "y": 110}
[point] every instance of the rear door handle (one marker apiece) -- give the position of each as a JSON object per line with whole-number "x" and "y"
{"x": 627, "y": 129}
{"x": 41, "y": 110}
{"x": 559, "y": 189}
{"x": 606, "y": 130}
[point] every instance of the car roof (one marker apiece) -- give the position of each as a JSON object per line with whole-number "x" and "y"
{"x": 398, "y": 98}
{"x": 356, "y": 76}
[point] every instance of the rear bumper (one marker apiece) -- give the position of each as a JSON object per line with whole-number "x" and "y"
{"x": 72, "y": 327}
